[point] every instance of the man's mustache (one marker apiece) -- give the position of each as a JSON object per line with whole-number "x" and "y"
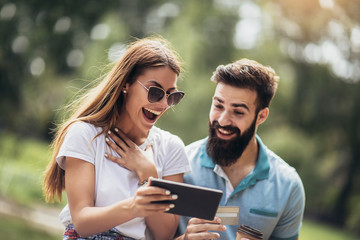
{"x": 216, "y": 125}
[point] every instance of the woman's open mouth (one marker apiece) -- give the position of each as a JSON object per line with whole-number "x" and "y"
{"x": 151, "y": 115}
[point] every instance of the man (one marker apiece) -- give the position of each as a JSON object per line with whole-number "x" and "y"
{"x": 268, "y": 192}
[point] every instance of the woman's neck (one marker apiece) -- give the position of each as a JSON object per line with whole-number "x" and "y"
{"x": 133, "y": 133}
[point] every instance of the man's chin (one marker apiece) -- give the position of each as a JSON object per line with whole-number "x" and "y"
{"x": 226, "y": 149}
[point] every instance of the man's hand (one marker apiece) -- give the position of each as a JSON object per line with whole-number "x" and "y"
{"x": 199, "y": 229}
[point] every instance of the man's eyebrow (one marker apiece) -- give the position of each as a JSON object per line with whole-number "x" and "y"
{"x": 218, "y": 99}
{"x": 240, "y": 105}
{"x": 234, "y": 104}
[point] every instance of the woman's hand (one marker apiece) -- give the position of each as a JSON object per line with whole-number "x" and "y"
{"x": 199, "y": 229}
{"x": 142, "y": 203}
{"x": 132, "y": 157}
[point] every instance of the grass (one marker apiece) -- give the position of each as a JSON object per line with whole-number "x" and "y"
{"x": 312, "y": 230}
{"x": 13, "y": 229}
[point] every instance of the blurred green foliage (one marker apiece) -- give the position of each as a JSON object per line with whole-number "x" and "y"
{"x": 14, "y": 229}
{"x": 22, "y": 163}
{"x": 313, "y": 230}
{"x": 51, "y": 51}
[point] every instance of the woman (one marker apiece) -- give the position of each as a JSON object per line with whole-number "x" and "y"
{"x": 104, "y": 198}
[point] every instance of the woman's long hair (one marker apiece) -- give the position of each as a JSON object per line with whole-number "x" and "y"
{"x": 101, "y": 105}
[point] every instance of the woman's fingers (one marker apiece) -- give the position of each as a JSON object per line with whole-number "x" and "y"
{"x": 156, "y": 193}
{"x": 115, "y": 147}
{"x": 117, "y": 160}
{"x": 117, "y": 141}
{"x": 149, "y": 200}
{"x": 131, "y": 156}
{"x": 124, "y": 138}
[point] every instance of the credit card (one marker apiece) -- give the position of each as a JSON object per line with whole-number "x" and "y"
{"x": 229, "y": 215}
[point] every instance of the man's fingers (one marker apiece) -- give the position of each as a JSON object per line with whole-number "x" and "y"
{"x": 206, "y": 227}
{"x": 203, "y": 235}
{"x": 216, "y": 220}
{"x": 199, "y": 228}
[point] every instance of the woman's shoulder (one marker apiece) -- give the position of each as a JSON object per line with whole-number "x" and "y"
{"x": 163, "y": 136}
{"x": 84, "y": 128}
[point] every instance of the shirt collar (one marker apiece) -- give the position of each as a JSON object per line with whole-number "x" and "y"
{"x": 205, "y": 159}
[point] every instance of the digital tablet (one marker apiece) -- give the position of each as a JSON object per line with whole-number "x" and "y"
{"x": 192, "y": 201}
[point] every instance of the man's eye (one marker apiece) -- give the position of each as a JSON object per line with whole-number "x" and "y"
{"x": 239, "y": 113}
{"x": 218, "y": 106}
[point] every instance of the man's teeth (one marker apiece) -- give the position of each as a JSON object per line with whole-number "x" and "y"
{"x": 153, "y": 111}
{"x": 223, "y": 131}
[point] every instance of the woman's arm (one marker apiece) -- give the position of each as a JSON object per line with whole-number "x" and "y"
{"x": 163, "y": 225}
{"x": 88, "y": 219}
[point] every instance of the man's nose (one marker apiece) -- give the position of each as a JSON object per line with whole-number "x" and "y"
{"x": 224, "y": 119}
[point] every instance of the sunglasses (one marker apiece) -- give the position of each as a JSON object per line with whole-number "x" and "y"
{"x": 155, "y": 94}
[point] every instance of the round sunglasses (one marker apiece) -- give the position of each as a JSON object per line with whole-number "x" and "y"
{"x": 155, "y": 94}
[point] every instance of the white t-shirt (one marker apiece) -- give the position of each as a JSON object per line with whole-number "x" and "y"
{"x": 114, "y": 183}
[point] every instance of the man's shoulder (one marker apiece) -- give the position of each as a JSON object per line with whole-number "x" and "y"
{"x": 197, "y": 144}
{"x": 195, "y": 148}
{"x": 281, "y": 168}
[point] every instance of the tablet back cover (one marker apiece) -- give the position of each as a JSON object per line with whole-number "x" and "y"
{"x": 192, "y": 201}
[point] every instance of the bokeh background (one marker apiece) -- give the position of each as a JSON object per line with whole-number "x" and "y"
{"x": 52, "y": 50}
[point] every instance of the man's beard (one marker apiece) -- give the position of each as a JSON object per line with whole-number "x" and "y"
{"x": 226, "y": 152}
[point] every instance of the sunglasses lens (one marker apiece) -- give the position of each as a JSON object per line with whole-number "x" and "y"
{"x": 174, "y": 98}
{"x": 155, "y": 94}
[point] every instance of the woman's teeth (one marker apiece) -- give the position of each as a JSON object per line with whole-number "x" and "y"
{"x": 153, "y": 111}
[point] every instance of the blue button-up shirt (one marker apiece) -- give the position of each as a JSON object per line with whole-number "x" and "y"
{"x": 271, "y": 198}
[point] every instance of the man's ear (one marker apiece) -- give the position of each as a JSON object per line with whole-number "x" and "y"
{"x": 262, "y": 115}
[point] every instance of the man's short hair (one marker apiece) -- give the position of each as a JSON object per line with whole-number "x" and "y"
{"x": 250, "y": 74}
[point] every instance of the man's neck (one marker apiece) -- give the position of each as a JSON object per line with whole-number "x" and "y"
{"x": 244, "y": 165}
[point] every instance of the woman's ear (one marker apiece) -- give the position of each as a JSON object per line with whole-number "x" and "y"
{"x": 262, "y": 115}
{"x": 125, "y": 88}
